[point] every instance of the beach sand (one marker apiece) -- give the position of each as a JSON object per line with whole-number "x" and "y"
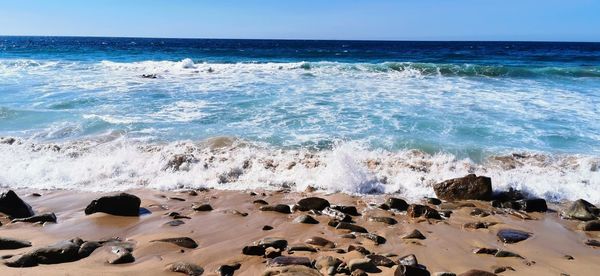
{"x": 222, "y": 233}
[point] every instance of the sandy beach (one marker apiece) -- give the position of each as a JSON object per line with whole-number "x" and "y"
{"x": 556, "y": 246}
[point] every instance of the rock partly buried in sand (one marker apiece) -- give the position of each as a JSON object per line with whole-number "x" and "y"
{"x": 373, "y": 237}
{"x": 351, "y": 227}
{"x": 62, "y": 252}
{"x": 123, "y": 256}
{"x": 279, "y": 208}
{"x": 322, "y": 242}
{"x": 512, "y": 235}
{"x": 202, "y": 207}
{"x": 416, "y": 211}
{"x": 476, "y": 272}
{"x": 278, "y": 243}
{"x": 186, "y": 268}
{"x": 397, "y": 204}
{"x": 253, "y": 250}
{"x": 288, "y": 260}
{"x": 301, "y": 248}
{"x": 328, "y": 265}
{"x": 592, "y": 225}
{"x": 180, "y": 241}
{"x": 292, "y": 270}
{"x": 386, "y": 220}
{"x": 12, "y": 205}
{"x": 593, "y": 243}
{"x": 415, "y": 234}
{"x": 408, "y": 260}
{"x": 478, "y": 225}
{"x": 365, "y": 264}
{"x": 87, "y": 248}
{"x": 119, "y": 205}
{"x": 348, "y": 210}
{"x": 380, "y": 260}
{"x": 8, "y": 243}
{"x": 581, "y": 210}
{"x": 464, "y": 188}
{"x": 228, "y": 270}
{"x": 406, "y": 270}
{"x": 175, "y": 222}
{"x": 312, "y": 203}
{"x": 306, "y": 219}
{"x": 49, "y": 217}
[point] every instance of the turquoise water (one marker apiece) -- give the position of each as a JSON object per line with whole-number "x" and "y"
{"x": 468, "y": 100}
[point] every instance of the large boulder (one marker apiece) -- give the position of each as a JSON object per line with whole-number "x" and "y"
{"x": 581, "y": 210}
{"x": 119, "y": 205}
{"x": 12, "y": 205}
{"x": 465, "y": 188}
{"x": 312, "y": 203}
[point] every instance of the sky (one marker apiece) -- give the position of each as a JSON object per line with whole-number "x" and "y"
{"x": 523, "y": 20}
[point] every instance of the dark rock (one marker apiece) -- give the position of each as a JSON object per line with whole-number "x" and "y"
{"x": 477, "y": 212}
{"x": 351, "y": 227}
{"x": 271, "y": 252}
{"x": 359, "y": 272}
{"x": 176, "y": 198}
{"x": 533, "y": 205}
{"x": 87, "y": 248}
{"x": 180, "y": 241}
{"x": 386, "y": 220}
{"x": 301, "y": 247}
{"x": 336, "y": 214}
{"x": 568, "y": 257}
{"x": 487, "y": 251}
{"x": 416, "y": 210}
{"x": 328, "y": 265}
{"x": 396, "y": 203}
{"x": 359, "y": 249}
{"x": 593, "y": 225}
{"x": 202, "y": 207}
{"x": 318, "y": 241}
{"x": 288, "y": 260}
{"x": 312, "y": 203}
{"x": 500, "y": 269}
{"x": 380, "y": 260}
{"x": 444, "y": 274}
{"x": 306, "y": 219}
{"x": 433, "y": 201}
{"x": 228, "y": 270}
{"x": 253, "y": 250}
{"x": 405, "y": 270}
{"x": 506, "y": 254}
{"x": 278, "y": 243}
{"x": 267, "y": 228}
{"x": 375, "y": 238}
{"x": 510, "y": 195}
{"x": 415, "y": 234}
{"x": 123, "y": 256}
{"x": 8, "y": 243}
{"x": 512, "y": 236}
{"x": 295, "y": 270}
{"x": 119, "y": 205}
{"x": 363, "y": 264}
{"x": 187, "y": 268}
{"x": 279, "y": 208}
{"x": 333, "y": 222}
{"x": 260, "y": 202}
{"x": 465, "y": 188}
{"x": 593, "y": 243}
{"x": 384, "y": 206}
{"x": 476, "y": 272}
{"x": 581, "y": 210}
{"x": 148, "y": 76}
{"x": 176, "y": 222}
{"x": 478, "y": 225}
{"x": 408, "y": 260}
{"x": 348, "y": 210}
{"x": 7, "y": 140}
{"x": 62, "y": 252}
{"x": 12, "y": 205}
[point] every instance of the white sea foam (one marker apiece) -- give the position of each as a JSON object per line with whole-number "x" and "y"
{"x": 223, "y": 163}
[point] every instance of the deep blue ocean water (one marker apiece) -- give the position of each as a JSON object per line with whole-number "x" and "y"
{"x": 467, "y": 100}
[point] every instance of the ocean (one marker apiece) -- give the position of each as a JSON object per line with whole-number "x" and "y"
{"x": 361, "y": 117}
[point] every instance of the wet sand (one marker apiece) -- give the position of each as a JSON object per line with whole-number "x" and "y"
{"x": 222, "y": 234}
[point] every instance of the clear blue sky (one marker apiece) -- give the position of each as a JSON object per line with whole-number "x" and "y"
{"x": 556, "y": 20}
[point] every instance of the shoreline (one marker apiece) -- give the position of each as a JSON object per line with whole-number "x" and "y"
{"x": 221, "y": 234}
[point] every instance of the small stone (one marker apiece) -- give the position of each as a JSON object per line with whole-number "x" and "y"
{"x": 279, "y": 208}
{"x": 505, "y": 254}
{"x": 202, "y": 207}
{"x": 406, "y": 270}
{"x": 476, "y": 272}
{"x": 386, "y": 220}
{"x": 8, "y": 243}
{"x": 273, "y": 242}
{"x": 328, "y": 265}
{"x": 444, "y": 274}
{"x": 477, "y": 212}
{"x": 312, "y": 203}
{"x": 306, "y": 219}
{"x": 359, "y": 249}
{"x": 228, "y": 270}
{"x": 533, "y": 205}
{"x": 318, "y": 241}
{"x": 408, "y": 260}
{"x": 176, "y": 222}
{"x": 124, "y": 256}
{"x": 292, "y": 270}
{"x": 433, "y": 201}
{"x": 49, "y": 217}
{"x": 253, "y": 250}
{"x": 363, "y": 264}
{"x": 336, "y": 214}
{"x": 288, "y": 260}
{"x": 488, "y": 251}
{"x": 348, "y": 236}
{"x": 415, "y": 234}
{"x": 478, "y": 225}
{"x": 122, "y": 204}
{"x": 176, "y": 198}
{"x": 351, "y": 227}
{"x": 500, "y": 269}
{"x": 593, "y": 243}
{"x": 568, "y": 257}
{"x": 348, "y": 210}
{"x": 271, "y": 252}
{"x": 380, "y": 260}
{"x": 180, "y": 241}
{"x": 260, "y": 202}
{"x": 359, "y": 272}
{"x": 416, "y": 210}
{"x": 397, "y": 204}
{"x": 301, "y": 247}
{"x": 374, "y": 237}
{"x": 512, "y": 236}
{"x": 187, "y": 268}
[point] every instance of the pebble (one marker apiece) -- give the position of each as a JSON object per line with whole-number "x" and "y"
{"x": 512, "y": 235}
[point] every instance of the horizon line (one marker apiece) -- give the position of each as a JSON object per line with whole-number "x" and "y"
{"x": 304, "y": 39}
